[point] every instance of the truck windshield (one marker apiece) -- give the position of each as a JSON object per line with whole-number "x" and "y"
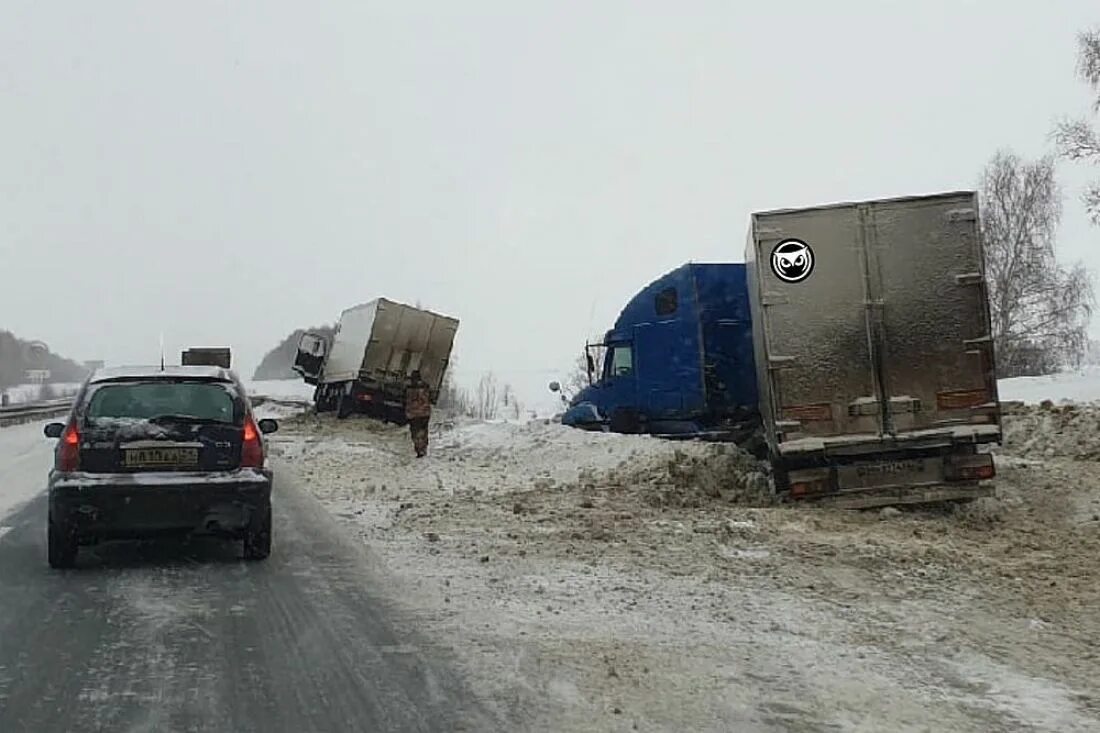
{"x": 620, "y": 361}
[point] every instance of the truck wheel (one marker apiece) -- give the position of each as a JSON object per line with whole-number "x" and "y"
{"x": 61, "y": 545}
{"x": 344, "y": 406}
{"x": 626, "y": 420}
{"x": 257, "y": 539}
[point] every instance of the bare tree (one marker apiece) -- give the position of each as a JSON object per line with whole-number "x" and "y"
{"x": 1077, "y": 139}
{"x": 488, "y": 397}
{"x": 452, "y": 398}
{"x": 511, "y": 403}
{"x": 1040, "y": 310}
{"x": 577, "y": 379}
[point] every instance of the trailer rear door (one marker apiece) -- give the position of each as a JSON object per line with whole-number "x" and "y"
{"x": 818, "y": 363}
{"x": 926, "y": 267}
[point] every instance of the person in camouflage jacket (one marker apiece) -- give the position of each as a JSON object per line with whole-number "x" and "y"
{"x": 418, "y": 411}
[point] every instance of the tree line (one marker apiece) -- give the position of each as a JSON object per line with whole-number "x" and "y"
{"x": 16, "y": 358}
{"x": 1040, "y": 307}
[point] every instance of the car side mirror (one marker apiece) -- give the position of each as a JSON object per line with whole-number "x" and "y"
{"x": 54, "y": 429}
{"x": 555, "y": 387}
{"x": 267, "y": 425}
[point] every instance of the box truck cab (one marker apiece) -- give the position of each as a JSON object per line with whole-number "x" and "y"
{"x": 678, "y": 359}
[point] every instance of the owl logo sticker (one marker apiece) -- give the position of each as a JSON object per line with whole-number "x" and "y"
{"x": 792, "y": 260}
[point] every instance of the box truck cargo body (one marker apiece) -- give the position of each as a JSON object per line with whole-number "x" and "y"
{"x": 873, "y": 349}
{"x": 367, "y": 363}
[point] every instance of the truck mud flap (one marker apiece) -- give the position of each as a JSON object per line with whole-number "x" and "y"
{"x": 899, "y": 495}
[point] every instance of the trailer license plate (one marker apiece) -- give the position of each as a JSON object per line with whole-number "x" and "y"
{"x": 912, "y": 471}
{"x": 160, "y": 457}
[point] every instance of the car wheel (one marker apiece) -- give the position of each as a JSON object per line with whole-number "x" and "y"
{"x": 61, "y": 545}
{"x": 257, "y": 539}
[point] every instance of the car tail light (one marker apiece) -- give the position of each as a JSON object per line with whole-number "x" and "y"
{"x": 976, "y": 467}
{"x": 252, "y": 450}
{"x": 68, "y": 451}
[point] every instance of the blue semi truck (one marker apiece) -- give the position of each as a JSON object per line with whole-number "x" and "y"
{"x": 678, "y": 361}
{"x": 858, "y": 335}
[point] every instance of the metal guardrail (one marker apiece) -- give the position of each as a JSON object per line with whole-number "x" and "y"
{"x": 18, "y": 414}
{"x": 31, "y": 411}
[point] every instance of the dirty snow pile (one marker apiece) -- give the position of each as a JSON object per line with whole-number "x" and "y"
{"x": 1070, "y": 431}
{"x": 544, "y": 454}
{"x": 490, "y": 458}
{"x": 601, "y": 582}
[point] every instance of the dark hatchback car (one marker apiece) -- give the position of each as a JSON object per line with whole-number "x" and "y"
{"x": 159, "y": 451}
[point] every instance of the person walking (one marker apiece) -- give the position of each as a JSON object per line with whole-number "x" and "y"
{"x": 418, "y": 411}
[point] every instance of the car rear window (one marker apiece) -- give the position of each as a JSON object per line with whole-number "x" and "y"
{"x": 147, "y": 400}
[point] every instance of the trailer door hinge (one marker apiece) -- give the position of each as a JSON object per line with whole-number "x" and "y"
{"x": 780, "y": 362}
{"x": 969, "y": 278}
{"x": 774, "y": 299}
{"x": 967, "y": 214}
{"x": 980, "y": 341}
{"x": 905, "y": 404}
{"x": 863, "y": 406}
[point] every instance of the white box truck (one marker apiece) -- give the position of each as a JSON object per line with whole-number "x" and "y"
{"x": 873, "y": 350}
{"x": 367, "y": 363}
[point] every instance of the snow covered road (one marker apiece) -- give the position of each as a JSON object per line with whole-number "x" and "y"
{"x": 174, "y": 637}
{"x": 535, "y": 578}
{"x": 594, "y": 583}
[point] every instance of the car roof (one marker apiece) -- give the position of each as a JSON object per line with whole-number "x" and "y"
{"x": 128, "y": 374}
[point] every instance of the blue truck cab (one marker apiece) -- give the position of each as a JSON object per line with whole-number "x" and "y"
{"x": 678, "y": 361}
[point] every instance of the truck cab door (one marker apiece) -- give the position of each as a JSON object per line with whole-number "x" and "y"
{"x": 310, "y": 358}
{"x": 618, "y": 387}
{"x": 664, "y": 371}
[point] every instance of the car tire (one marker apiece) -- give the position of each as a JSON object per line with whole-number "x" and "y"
{"x": 257, "y": 538}
{"x": 61, "y": 545}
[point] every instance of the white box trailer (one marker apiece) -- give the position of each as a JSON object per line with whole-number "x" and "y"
{"x": 376, "y": 347}
{"x": 873, "y": 349}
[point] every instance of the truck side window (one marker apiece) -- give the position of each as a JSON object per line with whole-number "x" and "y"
{"x": 621, "y": 363}
{"x": 666, "y": 302}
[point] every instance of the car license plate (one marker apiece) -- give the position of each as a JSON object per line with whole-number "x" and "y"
{"x": 160, "y": 457}
{"x": 911, "y": 472}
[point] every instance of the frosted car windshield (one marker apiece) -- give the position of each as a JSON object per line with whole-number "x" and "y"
{"x": 149, "y": 400}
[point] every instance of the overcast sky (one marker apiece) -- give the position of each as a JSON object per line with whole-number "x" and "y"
{"x": 225, "y": 172}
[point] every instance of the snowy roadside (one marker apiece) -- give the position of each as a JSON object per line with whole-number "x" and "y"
{"x": 605, "y": 582}
{"x": 24, "y": 450}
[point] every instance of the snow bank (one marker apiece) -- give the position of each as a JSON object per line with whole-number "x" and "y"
{"x": 22, "y": 393}
{"x": 24, "y": 462}
{"x": 1082, "y": 385}
{"x": 287, "y": 389}
{"x": 546, "y": 454}
{"x": 1070, "y": 430}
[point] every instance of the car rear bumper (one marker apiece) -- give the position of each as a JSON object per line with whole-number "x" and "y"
{"x": 108, "y": 506}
